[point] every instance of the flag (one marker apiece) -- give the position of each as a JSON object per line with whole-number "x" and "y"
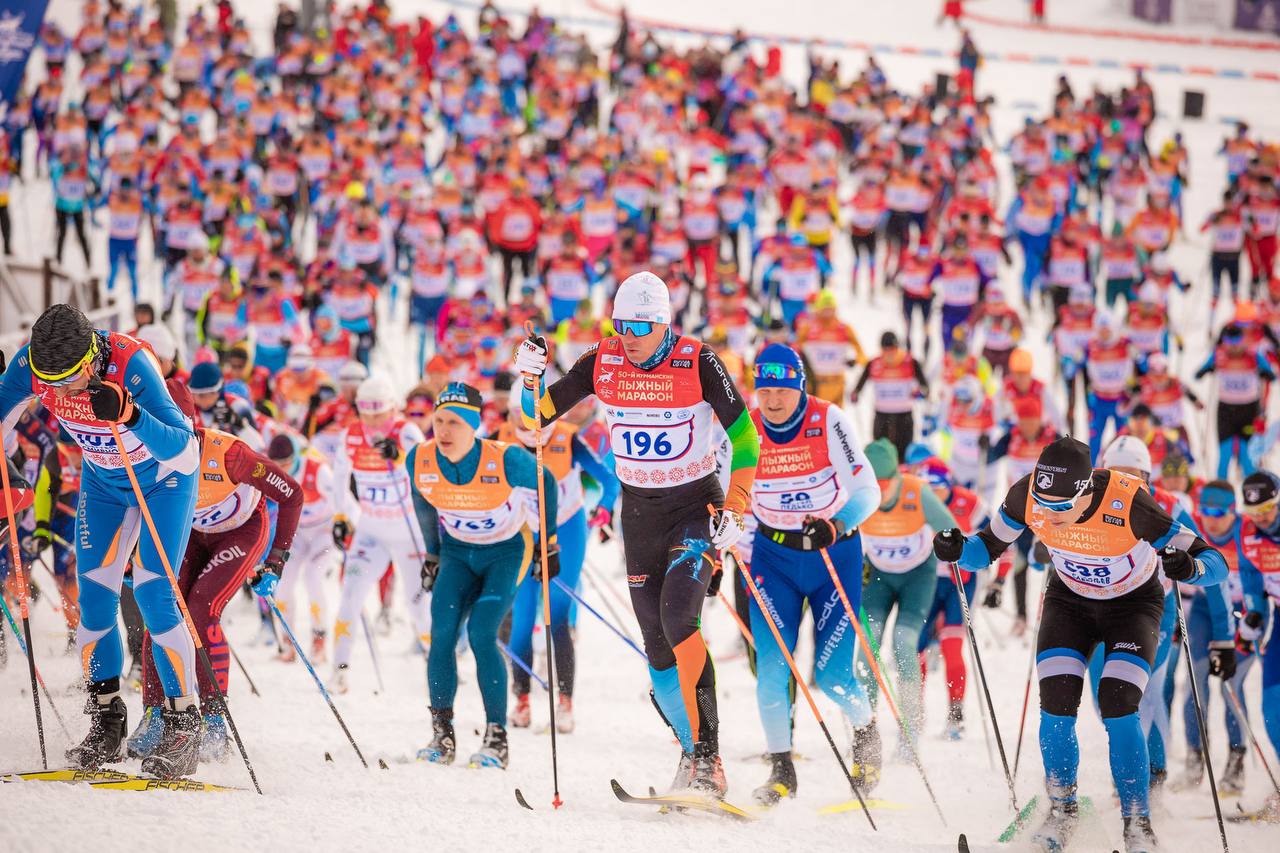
{"x": 20, "y": 22}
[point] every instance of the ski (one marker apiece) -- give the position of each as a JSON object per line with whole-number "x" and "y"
{"x": 522, "y": 801}
{"x": 963, "y": 844}
{"x": 68, "y": 774}
{"x": 1019, "y": 821}
{"x": 144, "y": 783}
{"x": 854, "y": 805}
{"x": 683, "y": 802}
{"x": 113, "y": 780}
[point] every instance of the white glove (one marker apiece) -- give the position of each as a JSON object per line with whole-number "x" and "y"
{"x": 727, "y": 528}
{"x": 531, "y": 357}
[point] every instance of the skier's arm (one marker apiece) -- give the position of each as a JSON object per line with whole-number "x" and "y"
{"x": 853, "y": 471}
{"x": 563, "y": 394}
{"x": 161, "y": 425}
{"x": 246, "y": 466}
{"x": 726, "y": 401}
{"x": 597, "y": 470}
{"x": 936, "y": 514}
{"x": 1264, "y": 369}
{"x": 1221, "y": 623}
{"x": 45, "y": 497}
{"x": 1000, "y": 449}
{"x": 428, "y": 520}
{"x": 15, "y": 386}
{"x": 1251, "y": 584}
{"x": 1148, "y": 521}
{"x": 1006, "y": 525}
{"x": 862, "y": 380}
{"x": 521, "y": 468}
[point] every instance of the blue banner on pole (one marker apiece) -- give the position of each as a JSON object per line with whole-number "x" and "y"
{"x": 20, "y": 22}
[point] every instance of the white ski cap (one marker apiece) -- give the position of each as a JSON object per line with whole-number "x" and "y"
{"x": 160, "y": 339}
{"x": 374, "y": 396}
{"x": 1127, "y": 451}
{"x": 643, "y": 296}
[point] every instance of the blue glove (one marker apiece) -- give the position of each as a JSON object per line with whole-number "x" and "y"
{"x": 264, "y": 583}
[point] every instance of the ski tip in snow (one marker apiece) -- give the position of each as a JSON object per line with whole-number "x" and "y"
{"x": 522, "y": 801}
{"x": 382, "y": 764}
{"x": 328, "y": 757}
{"x": 963, "y": 844}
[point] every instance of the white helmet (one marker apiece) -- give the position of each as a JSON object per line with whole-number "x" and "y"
{"x": 1127, "y": 451}
{"x": 160, "y": 339}
{"x": 643, "y": 296}
{"x": 352, "y": 373}
{"x": 374, "y": 396}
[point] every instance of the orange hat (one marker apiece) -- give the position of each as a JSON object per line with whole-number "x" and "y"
{"x": 1246, "y": 312}
{"x": 1028, "y": 407}
{"x": 1020, "y": 361}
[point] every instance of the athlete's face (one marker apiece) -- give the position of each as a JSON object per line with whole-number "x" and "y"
{"x": 377, "y": 421}
{"x": 641, "y": 349}
{"x": 453, "y": 435}
{"x": 1218, "y": 525}
{"x": 1266, "y": 518}
{"x": 1067, "y": 516}
{"x": 778, "y": 404}
{"x": 205, "y": 399}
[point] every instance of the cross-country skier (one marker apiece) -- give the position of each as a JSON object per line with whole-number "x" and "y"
{"x": 93, "y": 381}
{"x": 663, "y": 394}
{"x": 374, "y": 525}
{"x": 813, "y": 488}
{"x": 232, "y": 534}
{"x": 1104, "y": 533}
{"x": 472, "y": 497}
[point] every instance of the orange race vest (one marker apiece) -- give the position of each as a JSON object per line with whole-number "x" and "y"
{"x": 796, "y": 479}
{"x": 898, "y": 539}
{"x": 222, "y": 504}
{"x": 481, "y": 512}
{"x": 1099, "y": 558}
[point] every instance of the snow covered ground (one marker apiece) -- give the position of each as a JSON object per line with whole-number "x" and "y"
{"x": 319, "y": 805}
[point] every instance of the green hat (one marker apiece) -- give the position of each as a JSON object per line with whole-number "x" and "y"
{"x": 883, "y": 457}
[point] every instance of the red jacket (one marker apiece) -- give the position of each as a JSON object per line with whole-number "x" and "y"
{"x": 514, "y": 224}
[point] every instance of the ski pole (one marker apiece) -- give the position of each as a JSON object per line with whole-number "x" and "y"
{"x": 253, "y": 688}
{"x": 23, "y": 646}
{"x": 311, "y": 669}
{"x": 15, "y": 556}
{"x": 1026, "y": 692}
{"x": 742, "y": 626}
{"x": 544, "y": 532}
{"x": 373, "y": 652}
{"x": 506, "y": 650}
{"x": 1204, "y": 729}
{"x": 1229, "y": 690}
{"x": 903, "y": 723}
{"x": 602, "y": 590}
{"x": 982, "y": 676}
{"x": 201, "y": 651}
{"x": 986, "y": 732}
{"x": 799, "y": 679}
{"x": 621, "y": 636}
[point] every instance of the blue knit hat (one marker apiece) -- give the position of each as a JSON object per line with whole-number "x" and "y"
{"x": 779, "y": 366}
{"x": 205, "y": 376}
{"x": 463, "y": 400}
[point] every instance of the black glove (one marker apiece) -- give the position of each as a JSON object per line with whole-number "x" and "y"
{"x": 341, "y": 532}
{"x": 430, "y": 568}
{"x": 714, "y": 587}
{"x": 1179, "y": 565}
{"x": 112, "y": 404}
{"x": 1222, "y": 659}
{"x": 995, "y": 594}
{"x": 389, "y": 448}
{"x": 553, "y": 562}
{"x": 948, "y": 545}
{"x": 819, "y": 533}
{"x": 1248, "y": 631}
{"x": 37, "y": 542}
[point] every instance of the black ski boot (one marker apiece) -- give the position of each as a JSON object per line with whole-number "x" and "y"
{"x": 1232, "y": 779}
{"x": 444, "y": 744}
{"x": 708, "y": 771}
{"x": 108, "y": 726}
{"x": 1138, "y": 835}
{"x": 781, "y": 782}
{"x": 865, "y": 757}
{"x": 178, "y": 752}
{"x": 493, "y": 749}
{"x": 1055, "y": 833}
